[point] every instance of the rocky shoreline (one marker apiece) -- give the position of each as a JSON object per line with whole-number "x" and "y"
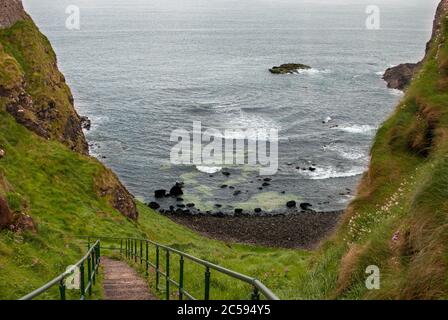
{"x": 299, "y": 229}
{"x": 295, "y": 226}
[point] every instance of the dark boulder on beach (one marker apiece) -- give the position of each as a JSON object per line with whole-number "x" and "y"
{"x": 305, "y": 206}
{"x": 291, "y": 204}
{"x": 257, "y": 210}
{"x": 238, "y": 211}
{"x": 154, "y": 205}
{"x": 190, "y": 205}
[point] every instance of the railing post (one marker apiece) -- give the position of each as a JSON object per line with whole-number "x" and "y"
{"x": 135, "y": 251}
{"x": 89, "y": 273}
{"x": 62, "y": 289}
{"x": 88, "y": 243}
{"x": 167, "y": 272}
{"x": 141, "y": 252}
{"x": 181, "y": 277}
{"x": 157, "y": 267}
{"x": 99, "y": 251}
{"x": 82, "y": 284}
{"x": 121, "y": 248}
{"x": 127, "y": 248}
{"x": 207, "y": 284}
{"x": 94, "y": 263}
{"x": 255, "y": 294}
{"x": 147, "y": 258}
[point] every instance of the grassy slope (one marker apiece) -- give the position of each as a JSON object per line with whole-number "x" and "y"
{"x": 405, "y": 194}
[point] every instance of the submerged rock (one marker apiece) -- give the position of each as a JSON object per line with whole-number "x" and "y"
{"x": 160, "y": 193}
{"x": 176, "y": 190}
{"x": 289, "y": 68}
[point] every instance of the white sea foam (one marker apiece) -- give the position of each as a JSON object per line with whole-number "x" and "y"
{"x": 356, "y": 128}
{"x": 322, "y": 173}
{"x": 396, "y": 92}
{"x": 207, "y": 169}
{"x": 347, "y": 152}
{"x": 379, "y": 73}
{"x": 312, "y": 71}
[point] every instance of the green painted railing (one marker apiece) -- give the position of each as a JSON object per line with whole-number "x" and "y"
{"x": 137, "y": 251}
{"x": 91, "y": 260}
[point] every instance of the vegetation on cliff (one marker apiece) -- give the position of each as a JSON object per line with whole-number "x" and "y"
{"x": 399, "y": 220}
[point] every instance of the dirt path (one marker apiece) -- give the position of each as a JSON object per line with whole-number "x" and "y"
{"x": 121, "y": 282}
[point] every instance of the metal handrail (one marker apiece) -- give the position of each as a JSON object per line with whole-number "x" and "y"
{"x": 93, "y": 260}
{"x": 129, "y": 246}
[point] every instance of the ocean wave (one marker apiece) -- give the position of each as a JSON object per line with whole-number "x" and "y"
{"x": 379, "y": 73}
{"x": 356, "y": 128}
{"x": 207, "y": 169}
{"x": 312, "y": 71}
{"x": 396, "y": 92}
{"x": 322, "y": 173}
{"x": 346, "y": 152}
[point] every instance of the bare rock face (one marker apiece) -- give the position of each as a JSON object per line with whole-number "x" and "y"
{"x": 399, "y": 77}
{"x": 23, "y": 222}
{"x": 6, "y": 216}
{"x": 109, "y": 187}
{"x": 11, "y": 11}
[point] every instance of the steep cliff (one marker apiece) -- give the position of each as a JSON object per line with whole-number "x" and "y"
{"x": 34, "y": 92}
{"x": 398, "y": 221}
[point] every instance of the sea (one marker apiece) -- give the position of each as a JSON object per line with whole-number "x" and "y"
{"x": 141, "y": 69}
